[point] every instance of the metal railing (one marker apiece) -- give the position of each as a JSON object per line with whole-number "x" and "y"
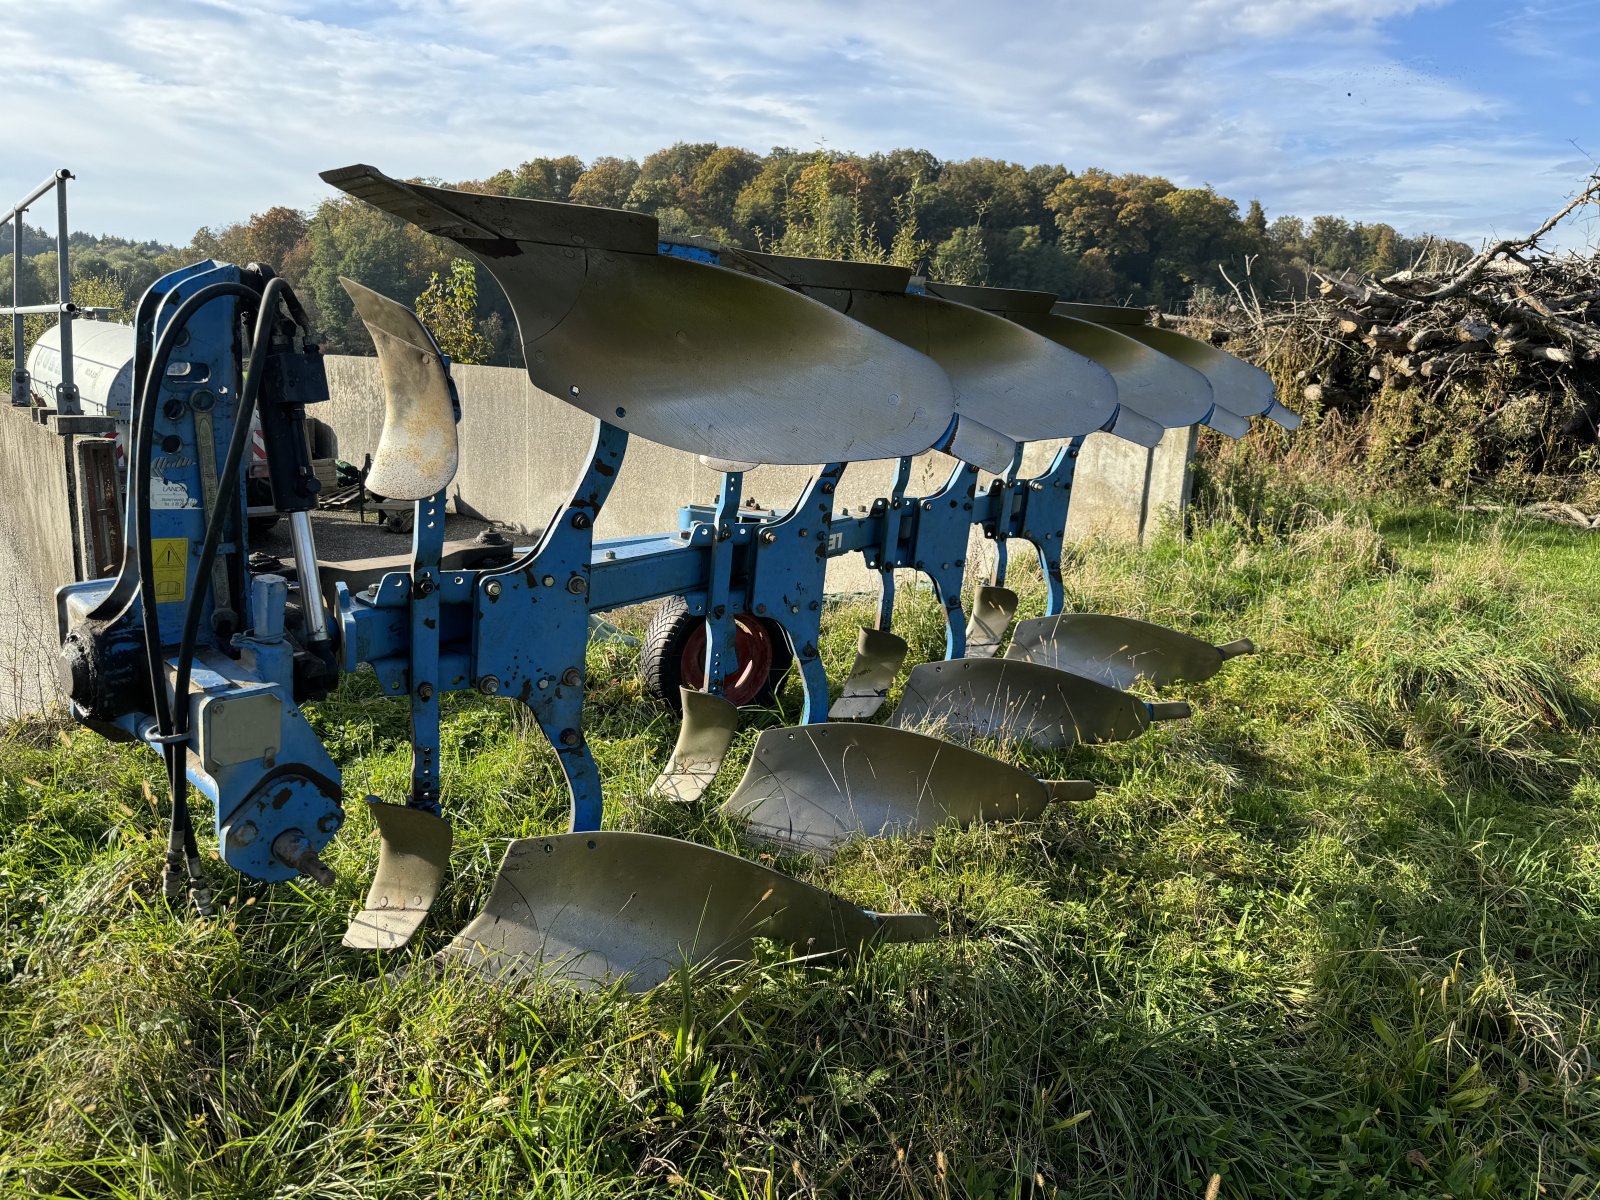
{"x": 21, "y": 386}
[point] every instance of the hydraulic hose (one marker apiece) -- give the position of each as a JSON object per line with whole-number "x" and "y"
{"x": 172, "y": 717}
{"x": 182, "y": 850}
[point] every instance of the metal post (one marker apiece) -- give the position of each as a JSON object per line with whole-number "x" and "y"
{"x": 19, "y": 370}
{"x": 21, "y": 385}
{"x": 305, "y": 561}
{"x": 67, "y": 389}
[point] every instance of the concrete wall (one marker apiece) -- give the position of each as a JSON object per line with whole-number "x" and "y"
{"x": 521, "y": 449}
{"x": 35, "y": 557}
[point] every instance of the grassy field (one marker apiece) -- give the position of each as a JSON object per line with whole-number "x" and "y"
{"x": 1338, "y": 935}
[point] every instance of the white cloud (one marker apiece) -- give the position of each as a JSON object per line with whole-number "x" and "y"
{"x": 203, "y": 111}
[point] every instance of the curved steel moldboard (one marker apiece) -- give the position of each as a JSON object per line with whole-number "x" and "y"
{"x": 1239, "y": 386}
{"x": 879, "y": 657}
{"x": 1027, "y": 387}
{"x": 1148, "y": 381}
{"x": 709, "y": 723}
{"x": 417, "y": 453}
{"x": 1118, "y": 651}
{"x": 703, "y": 359}
{"x": 1019, "y": 701}
{"x": 818, "y": 786}
{"x": 589, "y": 908}
{"x": 413, "y": 856}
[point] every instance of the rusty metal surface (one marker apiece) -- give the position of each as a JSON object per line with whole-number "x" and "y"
{"x": 709, "y": 723}
{"x": 590, "y": 908}
{"x": 413, "y": 856}
{"x": 1021, "y": 701}
{"x": 819, "y": 786}
{"x": 707, "y": 360}
{"x": 1119, "y": 651}
{"x": 417, "y": 451}
{"x": 879, "y": 657}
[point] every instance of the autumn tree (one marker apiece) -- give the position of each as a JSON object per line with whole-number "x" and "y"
{"x": 448, "y": 306}
{"x": 606, "y": 183}
{"x": 538, "y": 179}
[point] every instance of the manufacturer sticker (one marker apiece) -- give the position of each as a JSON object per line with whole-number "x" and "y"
{"x": 166, "y": 494}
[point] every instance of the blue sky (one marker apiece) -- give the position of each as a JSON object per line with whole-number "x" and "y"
{"x": 1461, "y": 117}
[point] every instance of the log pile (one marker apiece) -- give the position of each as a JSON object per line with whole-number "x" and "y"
{"x": 1417, "y": 325}
{"x": 1502, "y": 349}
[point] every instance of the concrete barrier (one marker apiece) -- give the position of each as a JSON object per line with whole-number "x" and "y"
{"x": 521, "y": 449}
{"x": 36, "y": 556}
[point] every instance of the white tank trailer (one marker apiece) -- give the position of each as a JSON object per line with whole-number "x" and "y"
{"x": 102, "y": 357}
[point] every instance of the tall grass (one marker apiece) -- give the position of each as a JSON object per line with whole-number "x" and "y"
{"x": 1334, "y": 936}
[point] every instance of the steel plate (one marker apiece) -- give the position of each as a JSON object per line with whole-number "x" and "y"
{"x": 417, "y": 452}
{"x": 709, "y": 723}
{"x": 1119, "y": 650}
{"x": 590, "y": 908}
{"x": 819, "y": 786}
{"x": 413, "y": 856}
{"x": 879, "y": 656}
{"x": 703, "y": 359}
{"x": 1020, "y": 701}
{"x": 1027, "y": 387}
{"x": 992, "y": 610}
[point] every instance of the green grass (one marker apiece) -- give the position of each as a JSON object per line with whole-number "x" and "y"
{"x": 1335, "y": 936}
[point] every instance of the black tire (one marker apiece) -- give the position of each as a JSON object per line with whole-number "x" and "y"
{"x": 667, "y": 636}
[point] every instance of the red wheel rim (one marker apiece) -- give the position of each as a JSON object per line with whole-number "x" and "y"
{"x": 753, "y": 644}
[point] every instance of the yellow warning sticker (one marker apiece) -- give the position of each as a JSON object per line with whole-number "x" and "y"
{"x": 169, "y": 562}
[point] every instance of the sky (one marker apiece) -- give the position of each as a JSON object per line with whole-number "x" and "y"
{"x": 1468, "y": 118}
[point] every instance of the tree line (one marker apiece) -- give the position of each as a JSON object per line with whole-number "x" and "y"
{"x": 1089, "y": 234}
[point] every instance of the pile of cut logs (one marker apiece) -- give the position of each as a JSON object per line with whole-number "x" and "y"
{"x": 1502, "y": 348}
{"x": 1435, "y": 326}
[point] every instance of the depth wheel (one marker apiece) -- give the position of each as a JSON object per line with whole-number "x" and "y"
{"x": 674, "y": 654}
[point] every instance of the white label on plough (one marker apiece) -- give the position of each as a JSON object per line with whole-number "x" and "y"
{"x": 166, "y": 494}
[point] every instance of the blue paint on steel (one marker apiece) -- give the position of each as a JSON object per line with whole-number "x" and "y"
{"x": 725, "y": 530}
{"x": 693, "y": 253}
{"x": 521, "y": 631}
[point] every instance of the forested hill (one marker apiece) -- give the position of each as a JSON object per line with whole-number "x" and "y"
{"x": 1087, "y": 234}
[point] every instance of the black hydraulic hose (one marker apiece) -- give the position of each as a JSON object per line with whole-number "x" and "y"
{"x": 216, "y": 521}
{"x": 182, "y": 850}
{"x": 181, "y": 844}
{"x": 227, "y": 483}
{"x": 140, "y": 457}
